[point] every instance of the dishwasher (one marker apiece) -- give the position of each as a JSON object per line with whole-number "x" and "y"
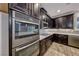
{"x": 73, "y": 41}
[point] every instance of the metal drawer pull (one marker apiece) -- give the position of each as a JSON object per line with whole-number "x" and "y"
{"x": 18, "y": 49}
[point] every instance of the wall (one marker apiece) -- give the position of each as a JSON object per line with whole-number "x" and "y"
{"x": 76, "y": 15}
{"x": 0, "y": 34}
{"x": 4, "y": 43}
{"x": 4, "y": 7}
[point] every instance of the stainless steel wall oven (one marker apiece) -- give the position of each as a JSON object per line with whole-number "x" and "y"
{"x": 25, "y": 34}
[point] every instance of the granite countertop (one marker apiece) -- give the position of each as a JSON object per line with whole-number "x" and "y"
{"x": 44, "y": 36}
{"x": 48, "y": 32}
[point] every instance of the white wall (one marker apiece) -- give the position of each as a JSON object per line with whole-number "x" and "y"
{"x": 76, "y": 15}
{"x": 0, "y": 33}
{"x": 4, "y": 40}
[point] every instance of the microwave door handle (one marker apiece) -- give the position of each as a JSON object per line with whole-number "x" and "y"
{"x": 18, "y": 49}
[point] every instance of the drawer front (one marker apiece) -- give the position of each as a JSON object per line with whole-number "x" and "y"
{"x": 28, "y": 51}
{"x": 27, "y": 40}
{"x": 42, "y": 47}
{"x": 48, "y": 44}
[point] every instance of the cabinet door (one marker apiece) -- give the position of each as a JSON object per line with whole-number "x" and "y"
{"x": 4, "y": 7}
{"x": 65, "y": 22}
{"x": 60, "y": 22}
{"x": 62, "y": 39}
{"x": 53, "y": 23}
{"x": 30, "y": 9}
{"x": 42, "y": 47}
{"x": 21, "y": 5}
{"x": 69, "y": 22}
{"x": 57, "y": 23}
{"x": 48, "y": 43}
{"x": 36, "y": 10}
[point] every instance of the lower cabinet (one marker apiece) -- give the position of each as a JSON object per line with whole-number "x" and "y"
{"x": 44, "y": 45}
{"x": 48, "y": 42}
{"x": 60, "y": 38}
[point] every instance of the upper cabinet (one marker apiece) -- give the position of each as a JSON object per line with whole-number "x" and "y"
{"x": 44, "y": 18}
{"x": 59, "y": 22}
{"x": 69, "y": 21}
{"x": 64, "y": 22}
{"x": 45, "y": 21}
{"x": 36, "y": 11}
{"x": 32, "y": 9}
{"x": 4, "y": 7}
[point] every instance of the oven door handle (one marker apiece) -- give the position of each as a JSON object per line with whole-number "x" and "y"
{"x": 18, "y": 49}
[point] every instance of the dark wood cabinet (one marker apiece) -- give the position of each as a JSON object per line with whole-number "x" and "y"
{"x": 64, "y": 22}
{"x": 48, "y": 42}
{"x": 69, "y": 21}
{"x": 50, "y": 22}
{"x": 44, "y": 45}
{"x": 32, "y": 9}
{"x": 60, "y": 38}
{"x": 43, "y": 18}
{"x": 45, "y": 21}
{"x": 59, "y": 22}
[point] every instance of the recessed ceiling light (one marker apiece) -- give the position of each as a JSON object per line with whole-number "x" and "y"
{"x": 58, "y": 11}
{"x": 44, "y": 16}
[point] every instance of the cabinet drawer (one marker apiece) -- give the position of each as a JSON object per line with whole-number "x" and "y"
{"x": 27, "y": 50}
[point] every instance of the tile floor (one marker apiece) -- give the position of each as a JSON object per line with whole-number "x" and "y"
{"x": 57, "y": 49}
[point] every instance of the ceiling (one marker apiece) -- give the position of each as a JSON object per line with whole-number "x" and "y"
{"x": 52, "y": 8}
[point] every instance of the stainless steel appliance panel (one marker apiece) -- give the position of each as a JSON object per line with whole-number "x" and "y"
{"x": 24, "y": 17}
{"x": 73, "y": 41}
{"x": 27, "y": 40}
{"x": 28, "y": 50}
{"x": 25, "y": 29}
{"x": 25, "y": 34}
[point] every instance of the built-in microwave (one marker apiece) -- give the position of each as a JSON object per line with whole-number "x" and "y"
{"x": 44, "y": 24}
{"x": 24, "y": 28}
